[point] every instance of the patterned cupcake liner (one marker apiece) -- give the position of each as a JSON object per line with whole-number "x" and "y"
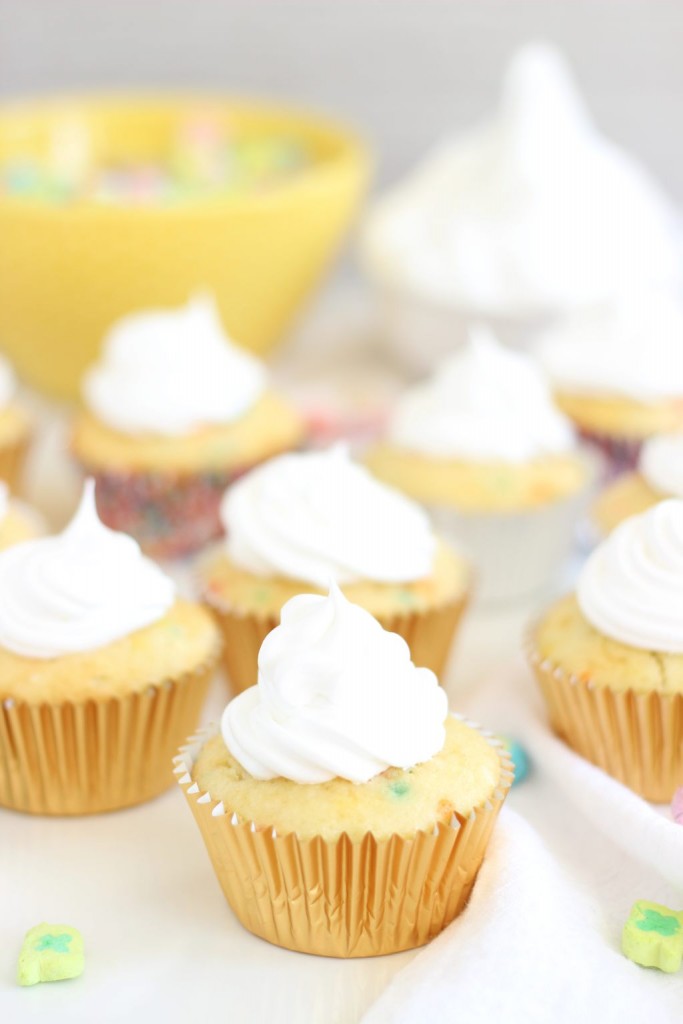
{"x": 619, "y": 454}
{"x": 97, "y": 755}
{"x": 635, "y": 737}
{"x": 169, "y": 514}
{"x": 343, "y": 898}
{"x": 429, "y": 635}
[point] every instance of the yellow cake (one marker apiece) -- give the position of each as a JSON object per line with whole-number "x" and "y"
{"x": 479, "y": 486}
{"x": 462, "y": 776}
{"x": 627, "y": 496}
{"x": 621, "y": 417}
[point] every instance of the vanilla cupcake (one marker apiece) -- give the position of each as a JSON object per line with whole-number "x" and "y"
{"x": 103, "y": 670}
{"x": 484, "y": 449}
{"x": 339, "y": 787}
{"x": 609, "y": 659}
{"x": 617, "y": 372}
{"x": 173, "y": 413}
{"x": 517, "y": 221}
{"x": 659, "y": 475}
{"x": 303, "y": 520}
{"x": 15, "y": 428}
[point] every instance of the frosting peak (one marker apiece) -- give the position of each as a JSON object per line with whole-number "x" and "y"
{"x": 170, "y": 372}
{"x": 79, "y": 590}
{"x": 630, "y": 345}
{"x": 531, "y": 212}
{"x": 317, "y": 516}
{"x": 485, "y": 403}
{"x": 631, "y": 587}
{"x": 337, "y": 696}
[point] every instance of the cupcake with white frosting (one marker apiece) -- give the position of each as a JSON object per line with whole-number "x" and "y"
{"x": 103, "y": 670}
{"x": 609, "y": 658}
{"x": 617, "y": 371}
{"x": 15, "y": 428}
{"x": 483, "y": 447}
{"x": 305, "y": 519}
{"x": 519, "y": 220}
{"x": 659, "y": 475}
{"x": 340, "y": 786}
{"x": 174, "y": 411}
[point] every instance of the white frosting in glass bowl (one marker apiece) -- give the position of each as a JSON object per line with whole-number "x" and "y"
{"x": 532, "y": 213}
{"x": 661, "y": 464}
{"x": 631, "y": 587}
{"x": 631, "y": 346}
{"x": 317, "y": 516}
{"x": 337, "y": 697}
{"x": 79, "y": 590}
{"x": 170, "y": 372}
{"x": 485, "y": 403}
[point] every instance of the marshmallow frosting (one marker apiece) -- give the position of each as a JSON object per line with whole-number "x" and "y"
{"x": 485, "y": 403}
{"x": 337, "y": 696}
{"x": 661, "y": 464}
{"x": 630, "y": 346}
{"x": 631, "y": 587}
{"x": 171, "y": 372}
{"x": 317, "y": 516}
{"x": 533, "y": 212}
{"x": 79, "y": 590}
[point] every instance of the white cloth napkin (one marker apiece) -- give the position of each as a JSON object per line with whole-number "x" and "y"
{"x": 540, "y": 940}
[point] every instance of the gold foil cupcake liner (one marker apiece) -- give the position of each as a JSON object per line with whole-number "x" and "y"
{"x": 429, "y": 634}
{"x": 635, "y": 737}
{"x": 12, "y": 457}
{"x": 96, "y": 755}
{"x": 343, "y": 898}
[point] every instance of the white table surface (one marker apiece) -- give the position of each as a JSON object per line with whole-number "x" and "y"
{"x": 161, "y": 943}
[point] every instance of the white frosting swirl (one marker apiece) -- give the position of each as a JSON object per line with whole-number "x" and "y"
{"x": 532, "y": 212}
{"x": 484, "y": 403}
{"x": 79, "y": 590}
{"x": 661, "y": 464}
{"x": 318, "y": 516}
{"x": 337, "y": 696}
{"x": 8, "y": 383}
{"x": 631, "y": 587}
{"x": 170, "y": 372}
{"x": 630, "y": 346}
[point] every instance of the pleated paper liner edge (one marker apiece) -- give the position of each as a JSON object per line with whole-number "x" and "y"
{"x": 637, "y": 738}
{"x": 343, "y": 898}
{"x": 92, "y": 756}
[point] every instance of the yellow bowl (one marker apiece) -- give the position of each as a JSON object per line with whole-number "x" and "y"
{"x": 67, "y": 272}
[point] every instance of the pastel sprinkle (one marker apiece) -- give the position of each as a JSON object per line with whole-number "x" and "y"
{"x": 519, "y": 757}
{"x": 399, "y": 788}
{"x": 677, "y": 806}
{"x": 653, "y": 936}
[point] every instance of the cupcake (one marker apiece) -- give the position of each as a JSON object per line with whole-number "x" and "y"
{"x": 103, "y": 670}
{"x": 617, "y": 371}
{"x": 344, "y": 812}
{"x": 302, "y": 520}
{"x": 484, "y": 449}
{"x": 529, "y": 215}
{"x": 15, "y": 428}
{"x": 609, "y": 658}
{"x": 18, "y": 522}
{"x": 173, "y": 413}
{"x": 659, "y": 475}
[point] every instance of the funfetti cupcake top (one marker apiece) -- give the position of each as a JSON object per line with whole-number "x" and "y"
{"x": 631, "y": 346}
{"x": 79, "y": 590}
{"x": 317, "y": 516}
{"x": 337, "y": 697}
{"x": 533, "y": 211}
{"x": 485, "y": 403}
{"x": 170, "y": 372}
{"x": 661, "y": 464}
{"x": 631, "y": 587}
